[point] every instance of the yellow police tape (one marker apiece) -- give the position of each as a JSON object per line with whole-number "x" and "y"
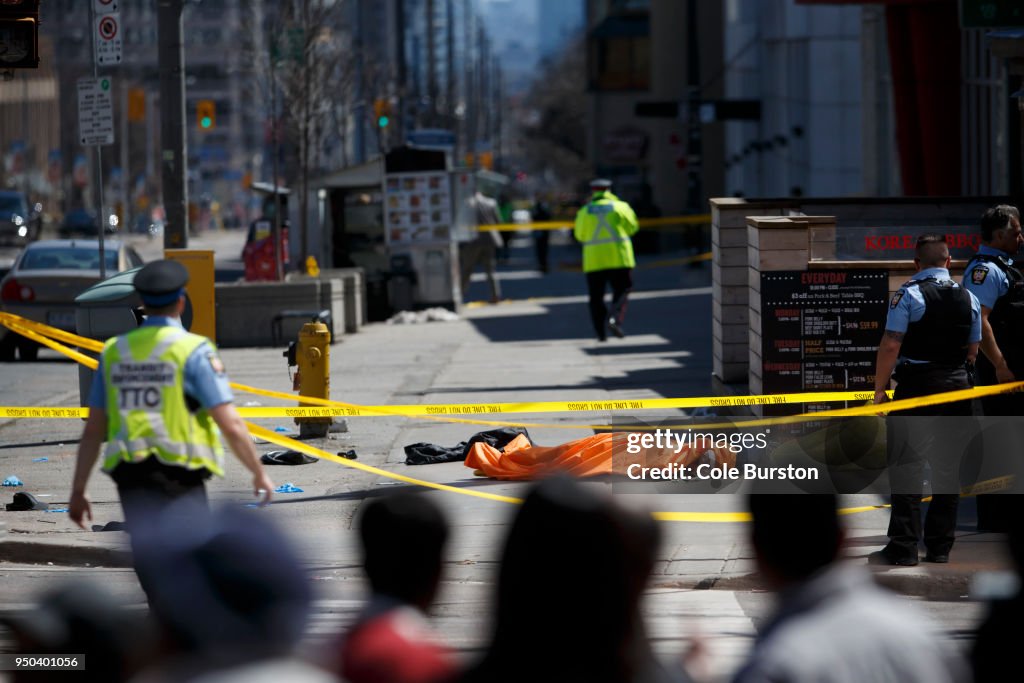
{"x": 988, "y": 486}
{"x": 696, "y": 219}
{"x": 25, "y": 327}
{"x": 447, "y": 413}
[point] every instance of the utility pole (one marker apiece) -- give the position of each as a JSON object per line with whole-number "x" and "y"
{"x": 26, "y": 138}
{"x": 125, "y": 175}
{"x": 471, "y": 109}
{"x": 276, "y": 127}
{"x": 307, "y": 51}
{"x": 693, "y": 142}
{"x": 483, "y": 59}
{"x": 173, "y": 157}
{"x": 431, "y": 63}
{"x": 498, "y": 88}
{"x": 449, "y": 71}
{"x": 403, "y": 88}
{"x": 101, "y": 228}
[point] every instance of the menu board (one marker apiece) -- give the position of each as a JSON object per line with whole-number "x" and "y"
{"x": 417, "y": 207}
{"x": 820, "y": 329}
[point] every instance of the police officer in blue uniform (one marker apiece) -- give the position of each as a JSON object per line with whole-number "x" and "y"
{"x": 931, "y": 339}
{"x": 161, "y": 446}
{"x": 993, "y": 277}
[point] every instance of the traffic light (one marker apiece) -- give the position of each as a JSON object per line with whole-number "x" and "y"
{"x": 206, "y": 114}
{"x": 382, "y": 109}
{"x": 19, "y": 34}
{"x": 136, "y": 105}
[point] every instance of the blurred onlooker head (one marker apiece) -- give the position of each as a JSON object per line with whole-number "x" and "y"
{"x": 573, "y": 570}
{"x": 403, "y": 538}
{"x": 783, "y": 555}
{"x": 231, "y": 588}
{"x": 80, "y": 618}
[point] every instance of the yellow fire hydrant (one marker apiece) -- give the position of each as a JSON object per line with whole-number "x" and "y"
{"x": 313, "y": 377}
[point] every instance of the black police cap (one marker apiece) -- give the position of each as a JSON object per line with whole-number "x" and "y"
{"x": 160, "y": 280}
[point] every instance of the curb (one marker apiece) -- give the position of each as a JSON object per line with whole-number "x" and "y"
{"x": 33, "y": 552}
{"x": 943, "y": 586}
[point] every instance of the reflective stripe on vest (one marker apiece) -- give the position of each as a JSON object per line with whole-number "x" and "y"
{"x": 603, "y": 227}
{"x": 147, "y": 414}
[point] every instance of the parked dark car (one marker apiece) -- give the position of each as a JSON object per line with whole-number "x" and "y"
{"x": 81, "y": 223}
{"x": 19, "y": 222}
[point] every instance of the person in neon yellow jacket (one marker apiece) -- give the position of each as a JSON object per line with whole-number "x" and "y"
{"x": 604, "y": 226}
{"x": 161, "y": 400}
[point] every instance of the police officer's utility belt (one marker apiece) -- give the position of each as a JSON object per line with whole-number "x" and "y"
{"x": 906, "y": 370}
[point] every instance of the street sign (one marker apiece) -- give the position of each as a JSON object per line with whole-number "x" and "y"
{"x": 104, "y": 6}
{"x": 108, "y": 38}
{"x": 657, "y": 110}
{"x": 436, "y": 138}
{"x": 95, "y": 111}
{"x": 708, "y": 111}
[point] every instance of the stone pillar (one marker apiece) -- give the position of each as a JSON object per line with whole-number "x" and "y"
{"x": 730, "y": 303}
{"x": 782, "y": 243}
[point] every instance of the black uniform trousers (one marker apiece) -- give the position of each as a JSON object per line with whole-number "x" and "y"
{"x": 621, "y": 280}
{"x": 922, "y": 437}
{"x": 150, "y": 488}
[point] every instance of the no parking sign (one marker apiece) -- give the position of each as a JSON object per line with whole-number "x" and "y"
{"x": 108, "y": 32}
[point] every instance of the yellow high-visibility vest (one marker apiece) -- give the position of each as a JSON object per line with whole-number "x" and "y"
{"x": 605, "y": 226}
{"x": 146, "y": 410}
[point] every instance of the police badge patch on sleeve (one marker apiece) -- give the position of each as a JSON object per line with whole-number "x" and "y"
{"x": 215, "y": 363}
{"x": 896, "y": 299}
{"x": 979, "y": 274}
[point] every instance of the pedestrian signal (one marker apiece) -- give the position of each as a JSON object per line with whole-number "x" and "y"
{"x": 19, "y": 34}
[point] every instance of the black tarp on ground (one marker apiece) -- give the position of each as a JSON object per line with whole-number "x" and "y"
{"x": 429, "y": 454}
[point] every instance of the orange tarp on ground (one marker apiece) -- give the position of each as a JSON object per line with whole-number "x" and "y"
{"x": 581, "y": 458}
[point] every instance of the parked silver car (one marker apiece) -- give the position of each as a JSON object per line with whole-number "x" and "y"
{"x": 46, "y": 278}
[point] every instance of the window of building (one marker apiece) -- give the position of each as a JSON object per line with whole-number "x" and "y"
{"x": 621, "y": 64}
{"x": 620, "y": 53}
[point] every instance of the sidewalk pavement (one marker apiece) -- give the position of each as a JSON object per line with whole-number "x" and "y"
{"x": 538, "y": 347}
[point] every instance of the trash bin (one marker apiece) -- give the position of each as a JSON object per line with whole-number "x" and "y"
{"x": 105, "y": 310}
{"x": 402, "y": 283}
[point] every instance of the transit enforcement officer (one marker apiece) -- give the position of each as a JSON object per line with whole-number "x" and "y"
{"x": 604, "y": 227}
{"x": 157, "y": 399}
{"x": 931, "y": 339}
{"x": 992, "y": 276}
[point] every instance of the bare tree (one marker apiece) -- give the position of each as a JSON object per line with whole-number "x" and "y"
{"x": 554, "y": 124}
{"x": 298, "y": 55}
